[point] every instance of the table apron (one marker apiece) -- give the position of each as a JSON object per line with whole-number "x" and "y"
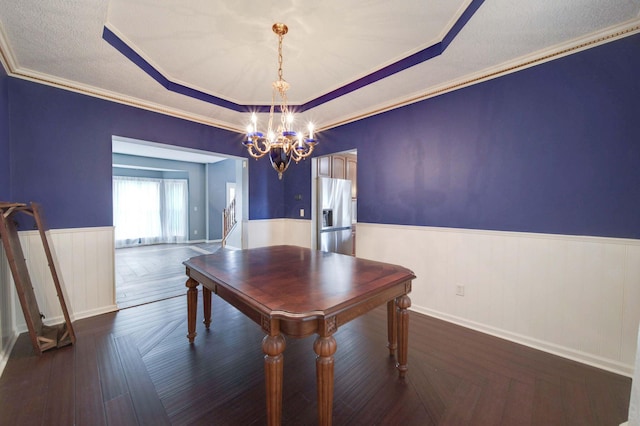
{"x": 322, "y": 324}
{"x": 356, "y": 310}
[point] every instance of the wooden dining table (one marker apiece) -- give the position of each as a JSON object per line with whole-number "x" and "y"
{"x": 296, "y": 292}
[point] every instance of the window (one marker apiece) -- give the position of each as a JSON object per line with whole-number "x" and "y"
{"x": 149, "y": 211}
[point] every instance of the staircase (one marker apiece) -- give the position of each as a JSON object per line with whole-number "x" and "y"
{"x": 228, "y": 221}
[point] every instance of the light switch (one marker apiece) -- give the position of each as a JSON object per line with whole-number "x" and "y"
{"x": 301, "y": 212}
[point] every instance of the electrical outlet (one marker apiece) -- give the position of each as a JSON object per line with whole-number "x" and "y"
{"x": 301, "y": 212}
{"x": 195, "y": 232}
{"x": 459, "y": 290}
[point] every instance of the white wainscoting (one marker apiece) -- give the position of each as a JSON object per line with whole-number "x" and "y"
{"x": 574, "y": 296}
{"x": 84, "y": 259}
{"x": 8, "y": 335}
{"x": 273, "y": 232}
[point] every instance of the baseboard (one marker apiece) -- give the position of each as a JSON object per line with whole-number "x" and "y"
{"x": 93, "y": 312}
{"x": 4, "y": 356}
{"x": 578, "y": 356}
{"x": 75, "y": 316}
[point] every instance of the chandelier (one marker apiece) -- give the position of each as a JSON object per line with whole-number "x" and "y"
{"x": 282, "y": 143}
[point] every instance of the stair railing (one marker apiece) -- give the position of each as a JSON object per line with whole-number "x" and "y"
{"x": 228, "y": 220}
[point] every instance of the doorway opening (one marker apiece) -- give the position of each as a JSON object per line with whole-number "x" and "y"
{"x": 329, "y": 174}
{"x": 169, "y": 211}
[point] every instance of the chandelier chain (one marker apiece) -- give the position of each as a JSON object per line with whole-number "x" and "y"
{"x": 282, "y": 89}
{"x": 280, "y": 37}
{"x": 282, "y": 143}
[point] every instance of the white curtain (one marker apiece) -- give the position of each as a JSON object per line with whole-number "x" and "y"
{"x": 174, "y": 211}
{"x": 149, "y": 211}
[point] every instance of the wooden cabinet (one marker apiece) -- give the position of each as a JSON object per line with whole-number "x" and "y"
{"x": 338, "y": 166}
{"x": 351, "y": 172}
{"x": 324, "y": 166}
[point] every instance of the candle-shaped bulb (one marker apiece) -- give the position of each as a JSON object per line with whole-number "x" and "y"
{"x": 310, "y": 130}
{"x": 300, "y": 139}
{"x": 254, "y": 120}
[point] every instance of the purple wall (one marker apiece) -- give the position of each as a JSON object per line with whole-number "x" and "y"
{"x": 5, "y": 191}
{"x": 61, "y": 151}
{"x": 266, "y": 192}
{"x": 551, "y": 149}
{"x": 297, "y": 181}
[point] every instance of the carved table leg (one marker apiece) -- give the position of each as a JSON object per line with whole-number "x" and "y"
{"x": 403, "y": 303}
{"x": 325, "y": 347}
{"x": 206, "y": 306}
{"x": 192, "y": 307}
{"x": 392, "y": 328}
{"x": 273, "y": 346}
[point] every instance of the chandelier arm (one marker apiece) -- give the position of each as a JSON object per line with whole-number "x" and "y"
{"x": 252, "y": 151}
{"x": 266, "y": 145}
{"x": 301, "y": 154}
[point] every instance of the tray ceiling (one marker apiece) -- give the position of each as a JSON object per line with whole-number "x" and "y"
{"x": 212, "y": 61}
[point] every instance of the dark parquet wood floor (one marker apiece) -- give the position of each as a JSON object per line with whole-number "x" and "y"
{"x": 135, "y": 367}
{"x": 149, "y": 273}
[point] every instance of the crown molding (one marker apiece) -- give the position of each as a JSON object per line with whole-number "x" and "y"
{"x": 6, "y": 54}
{"x": 13, "y": 69}
{"x": 593, "y": 40}
{"x": 556, "y": 52}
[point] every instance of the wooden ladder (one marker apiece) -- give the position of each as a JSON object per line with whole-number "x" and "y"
{"x": 43, "y": 337}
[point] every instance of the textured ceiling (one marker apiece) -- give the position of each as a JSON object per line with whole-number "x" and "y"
{"x": 344, "y": 59}
{"x": 231, "y": 43}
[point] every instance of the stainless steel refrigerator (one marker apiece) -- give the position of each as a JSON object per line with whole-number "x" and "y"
{"x": 334, "y": 215}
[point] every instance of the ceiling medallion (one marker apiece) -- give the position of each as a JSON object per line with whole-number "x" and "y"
{"x": 281, "y": 143}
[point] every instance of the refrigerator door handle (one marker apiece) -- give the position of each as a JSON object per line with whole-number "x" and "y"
{"x": 344, "y": 228}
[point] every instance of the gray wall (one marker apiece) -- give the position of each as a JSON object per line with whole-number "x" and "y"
{"x": 218, "y": 174}
{"x": 194, "y": 172}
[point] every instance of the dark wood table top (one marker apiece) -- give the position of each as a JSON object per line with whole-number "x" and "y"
{"x": 297, "y": 291}
{"x": 294, "y": 282}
